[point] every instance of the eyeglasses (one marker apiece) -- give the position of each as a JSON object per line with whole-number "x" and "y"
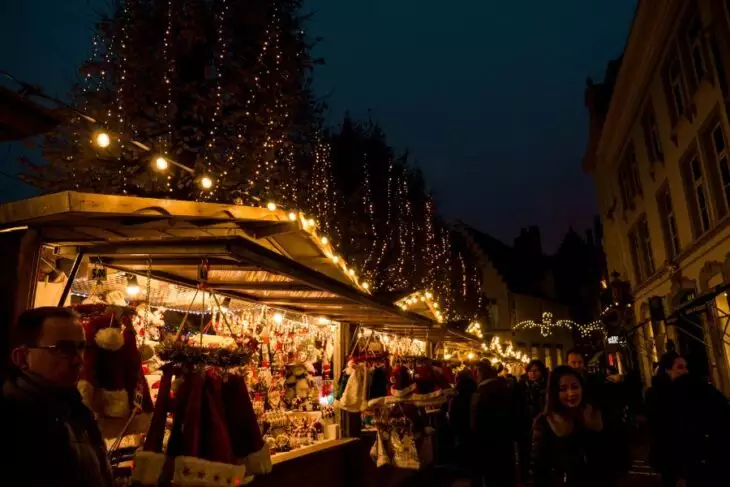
{"x": 66, "y": 348}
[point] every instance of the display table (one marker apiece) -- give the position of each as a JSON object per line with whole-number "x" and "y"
{"x": 331, "y": 463}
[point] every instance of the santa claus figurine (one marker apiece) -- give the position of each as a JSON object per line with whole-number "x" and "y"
{"x": 112, "y": 384}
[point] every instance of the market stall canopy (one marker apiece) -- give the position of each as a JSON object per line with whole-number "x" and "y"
{"x": 260, "y": 255}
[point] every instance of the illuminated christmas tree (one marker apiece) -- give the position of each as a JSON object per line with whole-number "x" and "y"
{"x": 219, "y": 87}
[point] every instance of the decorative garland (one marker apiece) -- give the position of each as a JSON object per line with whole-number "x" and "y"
{"x": 185, "y": 354}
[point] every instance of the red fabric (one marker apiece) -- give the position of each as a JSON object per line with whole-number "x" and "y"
{"x": 156, "y": 433}
{"x": 244, "y": 429}
{"x": 425, "y": 379}
{"x": 215, "y": 440}
{"x": 192, "y": 414}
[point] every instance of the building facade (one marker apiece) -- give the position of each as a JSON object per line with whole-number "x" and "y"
{"x": 659, "y": 153}
{"x": 519, "y": 286}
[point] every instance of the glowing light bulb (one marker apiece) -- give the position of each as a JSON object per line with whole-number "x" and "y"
{"x": 278, "y": 318}
{"x": 206, "y": 182}
{"x": 366, "y": 285}
{"x": 436, "y": 305}
{"x": 271, "y": 206}
{"x": 351, "y": 272}
{"x": 292, "y": 216}
{"x": 310, "y": 222}
{"x": 161, "y": 163}
{"x": 447, "y": 356}
{"x": 429, "y": 295}
{"x": 102, "y": 140}
{"x": 132, "y": 286}
{"x": 335, "y": 259}
{"x": 324, "y": 240}
{"x": 470, "y": 356}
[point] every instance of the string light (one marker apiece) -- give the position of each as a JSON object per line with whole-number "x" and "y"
{"x": 161, "y": 163}
{"x": 475, "y": 328}
{"x": 102, "y": 139}
{"x": 206, "y": 182}
{"x": 271, "y": 206}
{"x": 547, "y": 325}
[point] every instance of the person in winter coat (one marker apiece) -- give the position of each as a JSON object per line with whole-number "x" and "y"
{"x": 459, "y": 416}
{"x": 571, "y": 445}
{"x": 689, "y": 424}
{"x": 493, "y": 427}
{"x": 531, "y": 393}
{"x": 52, "y": 438}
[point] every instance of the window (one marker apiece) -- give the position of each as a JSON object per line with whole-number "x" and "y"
{"x": 640, "y": 243}
{"x": 720, "y": 152}
{"x": 559, "y": 354}
{"x": 697, "y": 195}
{"x": 669, "y": 222}
{"x": 534, "y": 353}
{"x": 651, "y": 136}
{"x": 696, "y": 48}
{"x": 675, "y": 88}
{"x": 628, "y": 178}
{"x": 548, "y": 357}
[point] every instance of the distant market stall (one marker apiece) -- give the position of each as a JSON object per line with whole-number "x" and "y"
{"x": 252, "y": 297}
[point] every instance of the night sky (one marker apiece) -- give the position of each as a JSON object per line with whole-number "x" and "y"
{"x": 487, "y": 95}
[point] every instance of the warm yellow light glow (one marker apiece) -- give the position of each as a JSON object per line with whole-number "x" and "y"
{"x": 271, "y": 206}
{"x": 323, "y": 321}
{"x": 428, "y": 295}
{"x": 278, "y": 318}
{"x": 324, "y": 240}
{"x": 161, "y": 163}
{"x": 351, "y": 272}
{"x": 102, "y": 139}
{"x": 206, "y": 182}
{"x": 436, "y": 305}
{"x": 470, "y": 356}
{"x": 310, "y": 222}
{"x": 365, "y": 285}
{"x": 335, "y": 259}
{"x": 292, "y": 216}
{"x": 447, "y": 356}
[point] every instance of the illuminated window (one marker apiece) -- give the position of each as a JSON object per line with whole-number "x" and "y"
{"x": 548, "y": 357}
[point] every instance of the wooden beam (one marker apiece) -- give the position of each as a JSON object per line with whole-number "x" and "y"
{"x": 303, "y": 300}
{"x": 163, "y": 248}
{"x": 253, "y": 253}
{"x": 261, "y": 286}
{"x": 260, "y": 230}
{"x": 215, "y": 262}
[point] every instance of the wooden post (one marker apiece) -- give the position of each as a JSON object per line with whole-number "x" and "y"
{"x": 18, "y": 277}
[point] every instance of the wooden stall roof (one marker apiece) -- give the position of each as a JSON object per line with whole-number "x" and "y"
{"x": 255, "y": 254}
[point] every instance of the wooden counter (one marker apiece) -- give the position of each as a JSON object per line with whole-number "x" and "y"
{"x": 332, "y": 463}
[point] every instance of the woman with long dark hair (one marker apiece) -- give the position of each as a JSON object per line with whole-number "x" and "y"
{"x": 571, "y": 446}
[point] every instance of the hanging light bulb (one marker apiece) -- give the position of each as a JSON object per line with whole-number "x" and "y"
{"x": 278, "y": 318}
{"x": 161, "y": 163}
{"x": 470, "y": 356}
{"x": 335, "y": 259}
{"x": 102, "y": 139}
{"x": 366, "y": 285}
{"x": 292, "y": 216}
{"x": 132, "y": 285}
{"x": 206, "y": 182}
{"x": 271, "y": 206}
{"x": 324, "y": 240}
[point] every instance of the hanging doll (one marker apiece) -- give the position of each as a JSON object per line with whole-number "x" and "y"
{"x": 112, "y": 384}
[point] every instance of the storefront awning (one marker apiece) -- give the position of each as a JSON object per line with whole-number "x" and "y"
{"x": 254, "y": 254}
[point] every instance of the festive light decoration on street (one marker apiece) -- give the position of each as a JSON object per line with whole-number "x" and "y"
{"x": 505, "y": 351}
{"x": 425, "y": 297}
{"x": 546, "y": 326}
{"x": 475, "y": 328}
{"x": 206, "y": 182}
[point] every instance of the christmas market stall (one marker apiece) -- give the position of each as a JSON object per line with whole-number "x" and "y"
{"x": 233, "y": 320}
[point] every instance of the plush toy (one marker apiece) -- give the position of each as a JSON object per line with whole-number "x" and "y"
{"x": 111, "y": 379}
{"x": 297, "y": 383}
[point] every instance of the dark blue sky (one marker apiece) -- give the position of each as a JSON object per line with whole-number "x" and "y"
{"x": 487, "y": 94}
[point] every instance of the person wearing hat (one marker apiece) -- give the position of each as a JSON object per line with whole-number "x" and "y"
{"x": 494, "y": 430}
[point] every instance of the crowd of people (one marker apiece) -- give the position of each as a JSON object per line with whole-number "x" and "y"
{"x": 569, "y": 428}
{"x": 563, "y": 427}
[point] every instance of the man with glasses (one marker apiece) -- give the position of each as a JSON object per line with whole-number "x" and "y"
{"x": 51, "y": 438}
